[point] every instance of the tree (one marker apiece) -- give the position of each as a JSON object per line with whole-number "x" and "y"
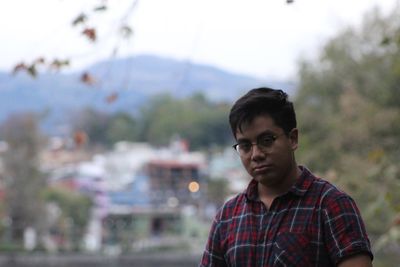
{"x": 195, "y": 119}
{"x": 103, "y": 129}
{"x": 122, "y": 126}
{"x": 349, "y": 116}
{"x": 85, "y": 23}
{"x": 94, "y": 124}
{"x": 23, "y": 178}
{"x": 74, "y": 217}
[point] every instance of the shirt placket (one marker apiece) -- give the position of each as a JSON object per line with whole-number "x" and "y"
{"x": 267, "y": 232}
{"x": 262, "y": 211}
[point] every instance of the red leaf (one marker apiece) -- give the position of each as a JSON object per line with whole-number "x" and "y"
{"x": 396, "y": 220}
{"x": 80, "y": 138}
{"x": 90, "y": 33}
{"x": 87, "y": 78}
{"x": 111, "y": 98}
{"x": 19, "y": 67}
{"x": 40, "y": 60}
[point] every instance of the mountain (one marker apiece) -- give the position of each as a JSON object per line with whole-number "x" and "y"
{"x": 150, "y": 74}
{"x": 134, "y": 79}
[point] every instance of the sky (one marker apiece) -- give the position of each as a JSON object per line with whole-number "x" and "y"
{"x": 261, "y": 38}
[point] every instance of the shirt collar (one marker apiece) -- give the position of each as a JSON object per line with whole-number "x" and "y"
{"x": 303, "y": 182}
{"x": 251, "y": 192}
{"x": 299, "y": 188}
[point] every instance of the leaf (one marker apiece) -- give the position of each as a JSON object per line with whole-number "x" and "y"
{"x": 32, "y": 70}
{"x": 111, "y": 98}
{"x": 376, "y": 155}
{"x": 88, "y": 79}
{"x": 39, "y": 60}
{"x": 80, "y": 138}
{"x": 82, "y": 18}
{"x": 19, "y": 67}
{"x": 100, "y": 8}
{"x": 385, "y": 41}
{"x": 126, "y": 31}
{"x": 396, "y": 221}
{"x": 58, "y": 64}
{"x": 90, "y": 33}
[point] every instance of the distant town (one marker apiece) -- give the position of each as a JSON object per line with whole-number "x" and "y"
{"x": 142, "y": 198}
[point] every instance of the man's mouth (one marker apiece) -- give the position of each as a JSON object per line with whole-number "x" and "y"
{"x": 261, "y": 168}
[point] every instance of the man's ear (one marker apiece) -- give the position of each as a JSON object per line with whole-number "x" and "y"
{"x": 294, "y": 138}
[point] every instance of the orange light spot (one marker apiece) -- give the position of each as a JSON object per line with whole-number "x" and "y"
{"x": 194, "y": 187}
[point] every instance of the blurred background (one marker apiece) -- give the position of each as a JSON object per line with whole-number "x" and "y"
{"x": 115, "y": 148}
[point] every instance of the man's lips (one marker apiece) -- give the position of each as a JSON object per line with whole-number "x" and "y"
{"x": 262, "y": 168}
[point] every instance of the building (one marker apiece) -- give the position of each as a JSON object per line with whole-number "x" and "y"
{"x": 175, "y": 183}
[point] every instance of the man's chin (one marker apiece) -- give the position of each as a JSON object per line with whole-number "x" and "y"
{"x": 266, "y": 180}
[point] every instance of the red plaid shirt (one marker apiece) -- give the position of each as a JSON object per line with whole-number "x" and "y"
{"x": 313, "y": 224}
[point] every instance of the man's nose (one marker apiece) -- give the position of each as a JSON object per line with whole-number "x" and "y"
{"x": 256, "y": 152}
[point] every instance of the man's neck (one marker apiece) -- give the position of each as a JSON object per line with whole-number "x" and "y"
{"x": 268, "y": 193}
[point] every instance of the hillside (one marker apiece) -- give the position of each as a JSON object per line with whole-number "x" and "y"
{"x": 134, "y": 79}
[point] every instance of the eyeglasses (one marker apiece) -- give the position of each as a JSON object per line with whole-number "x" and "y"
{"x": 263, "y": 143}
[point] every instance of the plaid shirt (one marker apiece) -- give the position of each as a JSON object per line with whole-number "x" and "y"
{"x": 313, "y": 224}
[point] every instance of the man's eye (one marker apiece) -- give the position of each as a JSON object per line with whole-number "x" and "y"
{"x": 245, "y": 146}
{"x": 266, "y": 141}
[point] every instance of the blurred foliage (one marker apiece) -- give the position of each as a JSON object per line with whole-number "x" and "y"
{"x": 195, "y": 119}
{"x": 217, "y": 190}
{"x": 201, "y": 122}
{"x": 24, "y": 185}
{"x": 348, "y": 107}
{"x": 104, "y": 129}
{"x": 23, "y": 181}
{"x": 74, "y": 212}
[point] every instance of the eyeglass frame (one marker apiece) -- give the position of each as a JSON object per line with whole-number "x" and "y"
{"x": 264, "y": 148}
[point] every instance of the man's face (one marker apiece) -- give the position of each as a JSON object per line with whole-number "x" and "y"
{"x": 272, "y": 161}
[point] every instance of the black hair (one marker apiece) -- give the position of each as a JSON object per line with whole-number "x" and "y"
{"x": 263, "y": 101}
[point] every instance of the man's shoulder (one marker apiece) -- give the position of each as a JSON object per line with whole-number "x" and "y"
{"x": 326, "y": 190}
{"x": 318, "y": 187}
{"x": 234, "y": 201}
{"x": 232, "y": 205}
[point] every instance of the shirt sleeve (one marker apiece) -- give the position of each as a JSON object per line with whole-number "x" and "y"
{"x": 213, "y": 255}
{"x": 345, "y": 233}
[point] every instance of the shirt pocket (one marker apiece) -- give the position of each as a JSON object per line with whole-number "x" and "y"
{"x": 291, "y": 249}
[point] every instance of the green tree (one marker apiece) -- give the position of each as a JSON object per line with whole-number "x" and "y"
{"x": 349, "y": 116}
{"x": 104, "y": 129}
{"x": 201, "y": 122}
{"x": 75, "y": 211}
{"x": 217, "y": 190}
{"x": 22, "y": 175}
{"x": 94, "y": 123}
{"x": 122, "y": 126}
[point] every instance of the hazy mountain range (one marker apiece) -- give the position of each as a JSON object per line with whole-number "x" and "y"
{"x": 132, "y": 79}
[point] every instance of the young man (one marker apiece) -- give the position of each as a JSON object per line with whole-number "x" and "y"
{"x": 286, "y": 216}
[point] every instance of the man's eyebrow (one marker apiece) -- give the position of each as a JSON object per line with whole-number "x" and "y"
{"x": 265, "y": 133}
{"x": 243, "y": 140}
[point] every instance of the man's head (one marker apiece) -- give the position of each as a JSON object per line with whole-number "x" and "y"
{"x": 263, "y": 122}
{"x": 263, "y": 101}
